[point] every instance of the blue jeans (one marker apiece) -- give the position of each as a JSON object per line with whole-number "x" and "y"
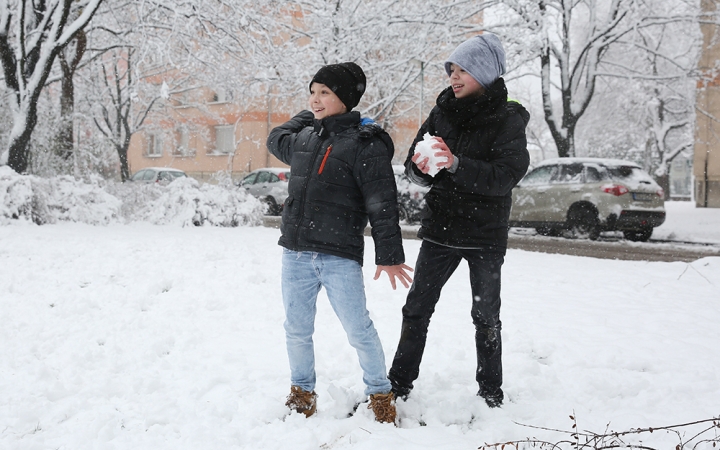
{"x": 303, "y": 274}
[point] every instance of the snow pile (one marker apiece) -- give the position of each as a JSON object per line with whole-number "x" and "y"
{"x": 183, "y": 202}
{"x": 55, "y": 199}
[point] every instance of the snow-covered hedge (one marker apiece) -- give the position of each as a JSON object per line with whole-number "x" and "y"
{"x": 182, "y": 202}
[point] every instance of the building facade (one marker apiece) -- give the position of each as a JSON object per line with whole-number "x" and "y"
{"x": 706, "y": 161}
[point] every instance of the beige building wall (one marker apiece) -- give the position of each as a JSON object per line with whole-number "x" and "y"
{"x": 187, "y": 136}
{"x": 706, "y": 161}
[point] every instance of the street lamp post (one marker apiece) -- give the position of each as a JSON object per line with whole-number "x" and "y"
{"x": 422, "y": 90}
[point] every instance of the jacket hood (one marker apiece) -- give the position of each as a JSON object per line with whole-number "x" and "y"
{"x": 515, "y": 107}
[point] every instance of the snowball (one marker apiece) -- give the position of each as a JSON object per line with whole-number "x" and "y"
{"x": 425, "y": 150}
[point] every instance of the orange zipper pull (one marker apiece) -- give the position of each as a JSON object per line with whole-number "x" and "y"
{"x": 322, "y": 164}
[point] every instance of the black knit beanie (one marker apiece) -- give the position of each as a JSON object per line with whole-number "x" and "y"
{"x": 346, "y": 80}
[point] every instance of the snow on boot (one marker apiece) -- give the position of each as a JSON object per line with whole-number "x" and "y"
{"x": 383, "y": 405}
{"x": 302, "y": 401}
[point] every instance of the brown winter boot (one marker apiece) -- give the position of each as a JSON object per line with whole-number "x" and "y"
{"x": 302, "y": 401}
{"x": 383, "y": 405}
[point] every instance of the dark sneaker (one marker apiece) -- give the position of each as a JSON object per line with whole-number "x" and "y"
{"x": 494, "y": 398}
{"x": 383, "y": 405}
{"x": 302, "y": 401}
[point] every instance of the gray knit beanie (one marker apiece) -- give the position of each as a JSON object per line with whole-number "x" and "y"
{"x": 481, "y": 56}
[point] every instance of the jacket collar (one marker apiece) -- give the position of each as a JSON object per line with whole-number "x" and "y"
{"x": 474, "y": 112}
{"x": 336, "y": 124}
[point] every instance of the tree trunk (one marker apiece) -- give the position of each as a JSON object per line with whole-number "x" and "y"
{"x": 19, "y": 145}
{"x": 66, "y": 140}
{"x": 122, "y": 151}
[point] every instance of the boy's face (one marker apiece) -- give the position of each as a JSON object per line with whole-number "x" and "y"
{"x": 323, "y": 102}
{"x": 463, "y": 84}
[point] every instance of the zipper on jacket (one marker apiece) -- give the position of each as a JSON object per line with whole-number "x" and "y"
{"x": 322, "y": 164}
{"x": 304, "y": 191}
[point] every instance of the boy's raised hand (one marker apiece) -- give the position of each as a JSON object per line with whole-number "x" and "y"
{"x": 399, "y": 271}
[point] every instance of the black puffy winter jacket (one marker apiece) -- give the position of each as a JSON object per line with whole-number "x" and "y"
{"x": 470, "y": 208}
{"x": 340, "y": 175}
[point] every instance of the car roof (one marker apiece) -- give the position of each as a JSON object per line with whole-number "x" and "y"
{"x": 167, "y": 169}
{"x": 272, "y": 169}
{"x": 598, "y": 161}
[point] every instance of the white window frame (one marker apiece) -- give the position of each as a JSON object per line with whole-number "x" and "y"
{"x": 225, "y": 139}
{"x": 154, "y": 145}
{"x": 183, "y": 147}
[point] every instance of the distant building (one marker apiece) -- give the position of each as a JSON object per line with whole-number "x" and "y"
{"x": 706, "y": 161}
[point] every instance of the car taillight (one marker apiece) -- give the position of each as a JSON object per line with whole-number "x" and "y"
{"x": 282, "y": 176}
{"x": 660, "y": 193}
{"x": 615, "y": 189}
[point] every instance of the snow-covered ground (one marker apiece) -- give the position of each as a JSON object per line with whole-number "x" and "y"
{"x": 165, "y": 337}
{"x": 685, "y": 222}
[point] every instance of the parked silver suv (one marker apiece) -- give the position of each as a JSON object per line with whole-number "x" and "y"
{"x": 584, "y": 196}
{"x": 269, "y": 185}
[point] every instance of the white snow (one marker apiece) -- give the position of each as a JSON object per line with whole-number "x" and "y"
{"x": 157, "y": 337}
{"x": 685, "y": 222}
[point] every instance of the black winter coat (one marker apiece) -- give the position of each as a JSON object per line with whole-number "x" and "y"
{"x": 470, "y": 208}
{"x": 340, "y": 175}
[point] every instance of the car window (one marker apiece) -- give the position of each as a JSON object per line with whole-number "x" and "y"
{"x": 264, "y": 177}
{"x": 627, "y": 173}
{"x": 164, "y": 176}
{"x": 539, "y": 176}
{"x": 274, "y": 178}
{"x": 569, "y": 173}
{"x": 250, "y": 179}
{"x": 177, "y": 174}
{"x": 593, "y": 174}
{"x": 139, "y": 175}
{"x": 149, "y": 175}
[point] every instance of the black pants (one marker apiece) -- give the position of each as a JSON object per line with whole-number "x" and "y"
{"x": 435, "y": 264}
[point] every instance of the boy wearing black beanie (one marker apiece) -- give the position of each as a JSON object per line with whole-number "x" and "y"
{"x": 340, "y": 177}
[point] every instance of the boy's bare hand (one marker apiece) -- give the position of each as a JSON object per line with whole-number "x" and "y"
{"x": 399, "y": 271}
{"x": 443, "y": 150}
{"x": 421, "y": 163}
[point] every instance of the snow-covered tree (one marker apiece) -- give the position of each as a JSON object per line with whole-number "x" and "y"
{"x": 32, "y": 34}
{"x": 574, "y": 42}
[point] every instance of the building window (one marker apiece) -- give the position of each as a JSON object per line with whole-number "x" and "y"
{"x": 154, "y": 145}
{"x": 225, "y": 139}
{"x": 183, "y": 143}
{"x": 221, "y": 95}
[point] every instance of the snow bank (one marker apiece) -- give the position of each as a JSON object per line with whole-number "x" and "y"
{"x": 98, "y": 202}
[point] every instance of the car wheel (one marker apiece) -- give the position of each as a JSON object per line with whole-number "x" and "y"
{"x": 547, "y": 231}
{"x": 583, "y": 223}
{"x": 641, "y": 235}
{"x": 273, "y": 208}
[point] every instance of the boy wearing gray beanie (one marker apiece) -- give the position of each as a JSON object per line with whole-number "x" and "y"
{"x": 480, "y": 139}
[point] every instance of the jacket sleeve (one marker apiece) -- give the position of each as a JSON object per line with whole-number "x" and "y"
{"x": 281, "y": 140}
{"x": 374, "y": 175}
{"x": 507, "y": 166}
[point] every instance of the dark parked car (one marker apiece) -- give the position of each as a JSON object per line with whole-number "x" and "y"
{"x": 269, "y": 185}
{"x": 410, "y": 196}
{"x": 581, "y": 197}
{"x": 157, "y": 175}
